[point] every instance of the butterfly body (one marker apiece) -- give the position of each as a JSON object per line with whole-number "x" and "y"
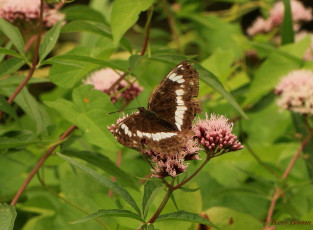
{"x": 172, "y": 107}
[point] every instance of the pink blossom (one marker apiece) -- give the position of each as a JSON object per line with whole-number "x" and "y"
{"x": 215, "y": 135}
{"x": 28, "y": 10}
{"x": 296, "y": 91}
{"x": 165, "y": 164}
{"x": 298, "y": 11}
{"x": 260, "y": 25}
{"x": 104, "y": 79}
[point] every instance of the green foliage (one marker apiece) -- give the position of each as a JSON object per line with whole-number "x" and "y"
{"x": 125, "y": 14}
{"x": 93, "y": 182}
{"x": 7, "y": 216}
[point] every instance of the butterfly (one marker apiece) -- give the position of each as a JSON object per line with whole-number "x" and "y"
{"x": 166, "y": 122}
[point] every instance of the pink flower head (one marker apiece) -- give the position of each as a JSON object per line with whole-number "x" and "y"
{"x": 28, "y": 10}
{"x": 104, "y": 79}
{"x": 296, "y": 91}
{"x": 165, "y": 164}
{"x": 260, "y": 25}
{"x": 298, "y": 11}
{"x": 215, "y": 135}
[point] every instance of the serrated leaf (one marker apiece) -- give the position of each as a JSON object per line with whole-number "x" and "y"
{"x": 7, "y": 108}
{"x": 105, "y": 164}
{"x": 107, "y": 182}
{"x": 11, "y": 65}
{"x": 13, "y": 34}
{"x": 212, "y": 80}
{"x": 7, "y": 217}
{"x": 124, "y": 14}
{"x": 49, "y": 41}
{"x": 151, "y": 189}
{"x": 185, "y": 216}
{"x": 110, "y": 212}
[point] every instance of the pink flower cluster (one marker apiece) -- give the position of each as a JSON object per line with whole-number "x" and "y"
{"x": 296, "y": 91}
{"x": 173, "y": 164}
{"x": 298, "y": 11}
{"x": 104, "y": 79}
{"x": 28, "y": 10}
{"x": 215, "y": 135}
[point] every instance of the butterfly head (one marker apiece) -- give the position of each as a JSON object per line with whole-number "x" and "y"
{"x": 141, "y": 110}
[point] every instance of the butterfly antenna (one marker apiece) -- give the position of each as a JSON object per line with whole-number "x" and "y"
{"x": 138, "y": 102}
{"x": 120, "y": 111}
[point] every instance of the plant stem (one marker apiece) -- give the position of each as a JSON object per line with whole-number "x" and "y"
{"x": 35, "y": 59}
{"x": 163, "y": 203}
{"x": 171, "y": 22}
{"x": 39, "y": 164}
{"x": 286, "y": 173}
{"x": 147, "y": 29}
{"x": 194, "y": 174}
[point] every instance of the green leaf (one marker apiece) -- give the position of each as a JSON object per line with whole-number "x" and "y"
{"x": 11, "y": 65}
{"x": 13, "y": 34}
{"x": 80, "y": 26}
{"x": 223, "y": 215}
{"x": 49, "y": 41}
{"x": 287, "y": 33}
{"x": 7, "y": 108}
{"x": 107, "y": 182}
{"x": 124, "y": 14}
{"x": 105, "y": 164}
{"x": 7, "y": 217}
{"x": 82, "y": 12}
{"x": 35, "y": 110}
{"x": 10, "y": 52}
{"x": 110, "y": 212}
{"x": 77, "y": 60}
{"x": 88, "y": 112}
{"x": 147, "y": 227}
{"x": 185, "y": 216}
{"x": 17, "y": 139}
{"x": 212, "y": 80}
{"x": 279, "y": 65}
{"x": 152, "y": 188}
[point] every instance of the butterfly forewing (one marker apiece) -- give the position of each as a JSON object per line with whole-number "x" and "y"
{"x": 174, "y": 99}
{"x": 142, "y": 128}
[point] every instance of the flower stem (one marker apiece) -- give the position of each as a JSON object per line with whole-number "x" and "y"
{"x": 286, "y": 173}
{"x": 194, "y": 174}
{"x": 35, "y": 59}
{"x": 163, "y": 203}
{"x": 39, "y": 164}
